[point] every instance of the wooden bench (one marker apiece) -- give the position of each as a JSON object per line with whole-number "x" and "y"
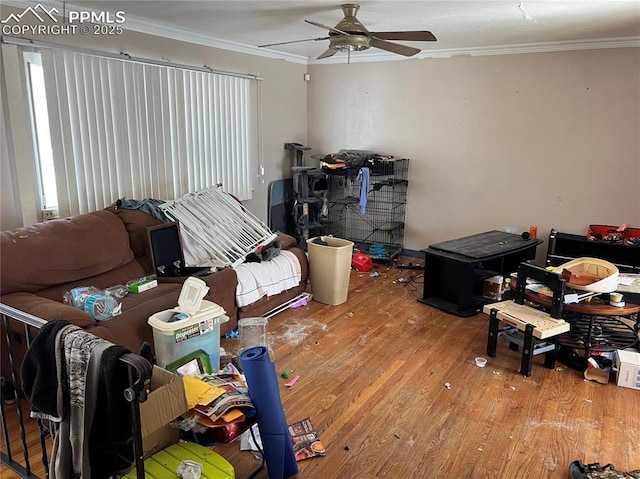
{"x": 533, "y": 330}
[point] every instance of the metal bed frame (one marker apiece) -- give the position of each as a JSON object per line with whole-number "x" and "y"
{"x": 139, "y": 372}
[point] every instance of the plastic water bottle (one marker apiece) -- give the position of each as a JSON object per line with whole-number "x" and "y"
{"x": 100, "y": 306}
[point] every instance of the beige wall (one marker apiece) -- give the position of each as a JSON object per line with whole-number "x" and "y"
{"x": 550, "y": 139}
{"x": 284, "y": 92}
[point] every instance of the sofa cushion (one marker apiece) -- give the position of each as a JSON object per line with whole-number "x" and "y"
{"x": 136, "y": 222}
{"x": 37, "y": 256}
{"x": 120, "y": 276}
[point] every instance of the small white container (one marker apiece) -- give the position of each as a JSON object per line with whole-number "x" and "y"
{"x": 194, "y": 324}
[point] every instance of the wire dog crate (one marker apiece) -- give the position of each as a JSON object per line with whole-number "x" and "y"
{"x": 377, "y": 225}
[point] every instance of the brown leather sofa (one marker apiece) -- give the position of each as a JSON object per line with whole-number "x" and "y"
{"x": 40, "y": 262}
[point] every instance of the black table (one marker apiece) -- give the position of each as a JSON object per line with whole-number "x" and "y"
{"x": 455, "y": 270}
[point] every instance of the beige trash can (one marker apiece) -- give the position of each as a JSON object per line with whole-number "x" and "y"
{"x": 329, "y": 269}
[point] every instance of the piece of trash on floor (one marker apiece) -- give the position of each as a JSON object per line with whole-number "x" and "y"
{"x": 350, "y": 314}
{"x": 512, "y": 388}
{"x": 374, "y": 274}
{"x": 447, "y": 385}
{"x": 251, "y": 442}
{"x": 299, "y": 303}
{"x": 293, "y": 381}
{"x": 285, "y": 374}
{"x": 346, "y": 448}
{"x": 397, "y": 435}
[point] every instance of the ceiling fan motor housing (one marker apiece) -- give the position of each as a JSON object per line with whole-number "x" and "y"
{"x": 358, "y": 38}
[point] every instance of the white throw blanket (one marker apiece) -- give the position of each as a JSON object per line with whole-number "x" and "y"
{"x": 267, "y": 278}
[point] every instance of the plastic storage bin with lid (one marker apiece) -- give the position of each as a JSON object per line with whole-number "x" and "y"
{"x": 194, "y": 324}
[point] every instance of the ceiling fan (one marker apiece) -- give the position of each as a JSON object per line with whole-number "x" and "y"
{"x": 350, "y": 35}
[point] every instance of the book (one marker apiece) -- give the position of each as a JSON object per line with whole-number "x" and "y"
{"x": 571, "y": 296}
{"x": 306, "y": 443}
{"x": 235, "y": 395}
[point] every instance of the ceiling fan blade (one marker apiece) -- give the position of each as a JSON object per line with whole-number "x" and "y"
{"x": 393, "y": 47}
{"x": 327, "y": 53}
{"x": 331, "y": 29}
{"x": 293, "y": 41}
{"x": 409, "y": 36}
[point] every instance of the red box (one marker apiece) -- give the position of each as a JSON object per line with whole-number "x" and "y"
{"x": 606, "y": 233}
{"x": 362, "y": 262}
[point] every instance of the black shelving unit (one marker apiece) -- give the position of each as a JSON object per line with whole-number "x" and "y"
{"x": 564, "y": 247}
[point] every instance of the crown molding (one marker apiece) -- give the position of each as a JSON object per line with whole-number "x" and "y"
{"x": 167, "y": 31}
{"x": 516, "y": 49}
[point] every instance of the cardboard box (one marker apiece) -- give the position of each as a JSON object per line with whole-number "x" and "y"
{"x": 599, "y": 366}
{"x": 142, "y": 286}
{"x": 492, "y": 287}
{"x": 166, "y": 401}
{"x": 628, "y": 367}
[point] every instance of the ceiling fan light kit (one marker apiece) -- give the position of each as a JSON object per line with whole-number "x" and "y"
{"x": 349, "y": 35}
{"x": 353, "y": 42}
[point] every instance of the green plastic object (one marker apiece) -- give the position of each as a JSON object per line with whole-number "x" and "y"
{"x": 164, "y": 464}
{"x": 202, "y": 358}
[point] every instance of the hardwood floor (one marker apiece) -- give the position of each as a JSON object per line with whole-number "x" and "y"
{"x": 372, "y": 380}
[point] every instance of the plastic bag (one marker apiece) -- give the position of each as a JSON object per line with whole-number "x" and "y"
{"x": 98, "y": 303}
{"x": 189, "y": 470}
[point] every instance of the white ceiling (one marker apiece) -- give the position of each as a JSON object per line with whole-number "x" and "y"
{"x": 462, "y": 27}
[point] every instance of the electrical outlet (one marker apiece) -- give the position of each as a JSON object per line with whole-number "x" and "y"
{"x": 50, "y": 214}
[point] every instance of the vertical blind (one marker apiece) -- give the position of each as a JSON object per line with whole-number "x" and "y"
{"x": 127, "y": 129}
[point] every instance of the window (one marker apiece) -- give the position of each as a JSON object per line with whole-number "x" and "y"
{"x": 40, "y": 128}
{"x": 117, "y": 128}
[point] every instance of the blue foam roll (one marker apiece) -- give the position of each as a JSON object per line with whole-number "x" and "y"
{"x": 262, "y": 381}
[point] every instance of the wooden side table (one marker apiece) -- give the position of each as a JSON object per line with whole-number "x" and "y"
{"x": 596, "y": 325}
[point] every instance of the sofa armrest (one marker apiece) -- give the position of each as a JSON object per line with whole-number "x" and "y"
{"x": 48, "y": 309}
